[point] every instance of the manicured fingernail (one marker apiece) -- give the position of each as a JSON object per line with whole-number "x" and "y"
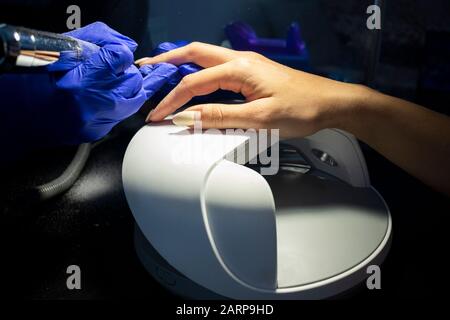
{"x": 139, "y": 61}
{"x": 186, "y": 118}
{"x": 149, "y": 116}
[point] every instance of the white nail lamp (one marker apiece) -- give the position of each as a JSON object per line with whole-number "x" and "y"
{"x": 214, "y": 228}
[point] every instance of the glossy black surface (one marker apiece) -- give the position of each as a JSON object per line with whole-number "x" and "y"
{"x": 91, "y": 226}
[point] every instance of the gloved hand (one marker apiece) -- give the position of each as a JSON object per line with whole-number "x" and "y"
{"x": 77, "y": 100}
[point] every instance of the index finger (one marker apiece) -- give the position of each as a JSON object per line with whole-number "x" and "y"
{"x": 197, "y": 84}
{"x": 203, "y": 54}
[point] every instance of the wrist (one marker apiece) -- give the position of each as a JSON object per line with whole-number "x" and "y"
{"x": 356, "y": 109}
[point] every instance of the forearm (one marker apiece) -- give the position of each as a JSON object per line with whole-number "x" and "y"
{"x": 414, "y": 138}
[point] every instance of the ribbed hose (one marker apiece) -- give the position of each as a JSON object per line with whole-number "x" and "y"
{"x": 68, "y": 177}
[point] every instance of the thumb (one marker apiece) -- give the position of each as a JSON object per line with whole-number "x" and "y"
{"x": 220, "y": 116}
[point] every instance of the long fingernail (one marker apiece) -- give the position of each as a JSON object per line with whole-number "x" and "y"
{"x": 149, "y": 116}
{"x": 139, "y": 61}
{"x": 186, "y": 118}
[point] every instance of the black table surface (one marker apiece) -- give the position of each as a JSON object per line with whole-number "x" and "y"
{"x": 91, "y": 226}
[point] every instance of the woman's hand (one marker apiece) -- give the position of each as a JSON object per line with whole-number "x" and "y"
{"x": 299, "y": 104}
{"x": 277, "y": 97}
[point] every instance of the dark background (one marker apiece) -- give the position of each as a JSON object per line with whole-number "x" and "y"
{"x": 91, "y": 225}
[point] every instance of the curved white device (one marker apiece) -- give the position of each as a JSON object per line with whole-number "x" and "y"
{"x": 206, "y": 224}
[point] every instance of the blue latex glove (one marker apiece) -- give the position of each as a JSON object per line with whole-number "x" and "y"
{"x": 77, "y": 100}
{"x": 183, "y": 69}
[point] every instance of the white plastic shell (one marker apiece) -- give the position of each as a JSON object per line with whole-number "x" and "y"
{"x": 222, "y": 225}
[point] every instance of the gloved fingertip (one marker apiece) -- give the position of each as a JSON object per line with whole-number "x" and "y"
{"x": 99, "y": 25}
{"x": 163, "y": 47}
{"x": 132, "y": 45}
{"x": 188, "y": 68}
{"x": 167, "y": 46}
{"x": 162, "y": 69}
{"x": 181, "y": 43}
{"x": 117, "y": 56}
{"x": 158, "y": 75}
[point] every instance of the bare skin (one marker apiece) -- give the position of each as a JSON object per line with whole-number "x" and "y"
{"x": 300, "y": 104}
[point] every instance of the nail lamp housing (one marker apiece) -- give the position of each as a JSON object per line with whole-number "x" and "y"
{"x": 216, "y": 228}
